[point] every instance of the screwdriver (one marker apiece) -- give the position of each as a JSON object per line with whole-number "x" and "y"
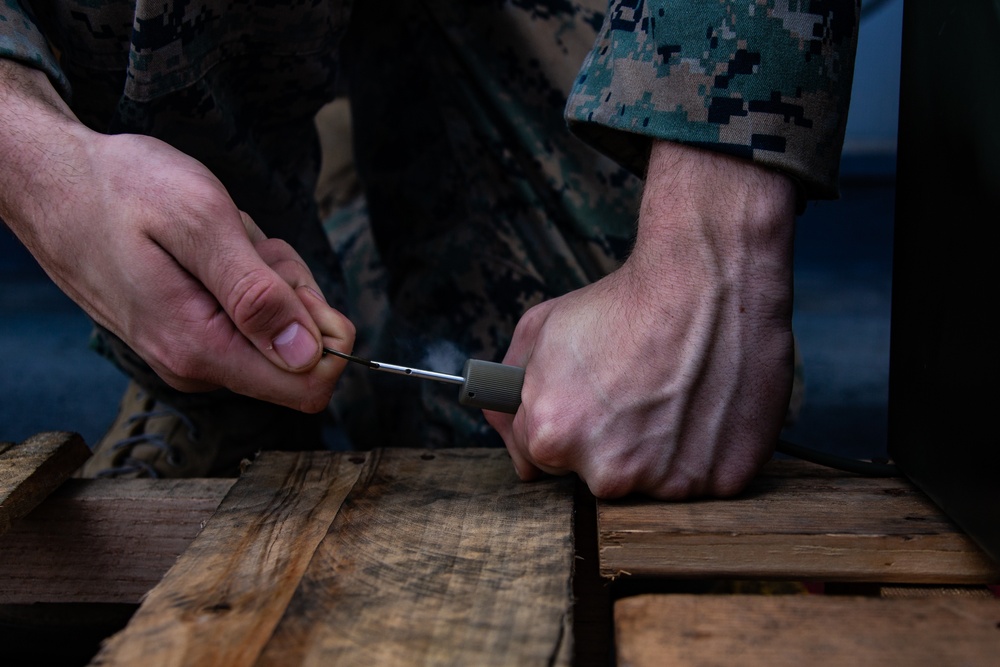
{"x": 484, "y": 384}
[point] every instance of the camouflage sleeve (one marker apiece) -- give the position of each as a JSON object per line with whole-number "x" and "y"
{"x": 21, "y": 40}
{"x": 767, "y": 80}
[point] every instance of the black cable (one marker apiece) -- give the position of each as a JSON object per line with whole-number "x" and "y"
{"x": 856, "y": 466}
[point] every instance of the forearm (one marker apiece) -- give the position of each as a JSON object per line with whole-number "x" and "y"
{"x": 41, "y": 148}
{"x": 722, "y": 224}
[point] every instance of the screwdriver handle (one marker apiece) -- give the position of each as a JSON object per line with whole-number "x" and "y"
{"x": 491, "y": 386}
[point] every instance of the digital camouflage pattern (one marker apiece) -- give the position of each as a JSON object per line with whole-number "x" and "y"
{"x": 478, "y": 202}
{"x": 767, "y": 80}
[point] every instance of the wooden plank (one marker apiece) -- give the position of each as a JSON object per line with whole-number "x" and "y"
{"x": 220, "y": 602}
{"x": 896, "y": 591}
{"x": 31, "y": 470}
{"x": 438, "y": 558}
{"x": 104, "y": 540}
{"x": 696, "y": 630}
{"x": 796, "y": 521}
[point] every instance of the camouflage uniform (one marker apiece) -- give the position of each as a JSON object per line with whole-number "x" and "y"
{"x": 478, "y": 200}
{"x": 765, "y": 80}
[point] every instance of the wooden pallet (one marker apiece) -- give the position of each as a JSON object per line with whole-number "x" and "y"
{"x": 409, "y": 557}
{"x": 800, "y": 523}
{"x": 391, "y": 557}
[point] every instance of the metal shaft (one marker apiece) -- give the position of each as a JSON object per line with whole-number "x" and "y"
{"x": 484, "y": 384}
{"x": 417, "y": 373}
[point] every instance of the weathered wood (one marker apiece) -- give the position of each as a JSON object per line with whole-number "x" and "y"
{"x": 438, "y": 558}
{"x": 434, "y": 558}
{"x": 103, "y": 540}
{"x": 31, "y": 470}
{"x": 694, "y": 630}
{"x": 220, "y": 602}
{"x": 896, "y": 591}
{"x": 796, "y": 521}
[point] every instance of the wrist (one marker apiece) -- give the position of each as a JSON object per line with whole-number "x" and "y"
{"x": 715, "y": 226}
{"x": 41, "y": 143}
{"x": 695, "y": 194}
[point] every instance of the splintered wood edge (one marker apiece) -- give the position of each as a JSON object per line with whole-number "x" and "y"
{"x": 220, "y": 602}
{"x": 31, "y": 470}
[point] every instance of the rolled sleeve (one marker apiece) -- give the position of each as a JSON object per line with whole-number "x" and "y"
{"x": 765, "y": 80}
{"x": 21, "y": 40}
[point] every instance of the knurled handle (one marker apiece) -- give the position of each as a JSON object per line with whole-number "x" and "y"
{"x": 491, "y": 386}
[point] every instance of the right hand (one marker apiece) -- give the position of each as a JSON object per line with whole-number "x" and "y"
{"x": 148, "y": 242}
{"x": 669, "y": 377}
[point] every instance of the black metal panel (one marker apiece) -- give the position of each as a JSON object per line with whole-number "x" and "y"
{"x": 943, "y": 430}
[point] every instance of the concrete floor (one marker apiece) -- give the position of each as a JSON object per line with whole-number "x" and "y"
{"x": 51, "y": 380}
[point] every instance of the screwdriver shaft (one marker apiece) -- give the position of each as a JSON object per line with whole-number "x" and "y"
{"x": 484, "y": 384}
{"x": 398, "y": 370}
{"x": 417, "y": 373}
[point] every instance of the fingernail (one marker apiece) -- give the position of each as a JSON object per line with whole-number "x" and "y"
{"x": 295, "y": 346}
{"x": 314, "y": 293}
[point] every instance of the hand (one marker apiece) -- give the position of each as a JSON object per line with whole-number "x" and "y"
{"x": 148, "y": 242}
{"x": 671, "y": 376}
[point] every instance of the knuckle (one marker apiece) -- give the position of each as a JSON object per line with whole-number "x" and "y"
{"x": 253, "y": 302}
{"x": 532, "y": 319}
{"x": 549, "y": 442}
{"x": 685, "y": 484}
{"x": 607, "y": 483}
{"x": 347, "y": 331}
{"x": 680, "y": 486}
{"x": 274, "y": 250}
{"x": 622, "y": 471}
{"x": 290, "y": 268}
{"x": 278, "y": 246}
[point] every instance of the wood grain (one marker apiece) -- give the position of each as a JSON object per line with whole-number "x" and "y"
{"x": 440, "y": 558}
{"x": 220, "y": 602}
{"x": 796, "y": 521}
{"x": 31, "y": 470}
{"x": 104, "y": 540}
{"x": 702, "y": 630}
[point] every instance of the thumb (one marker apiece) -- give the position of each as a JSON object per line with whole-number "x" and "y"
{"x": 260, "y": 303}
